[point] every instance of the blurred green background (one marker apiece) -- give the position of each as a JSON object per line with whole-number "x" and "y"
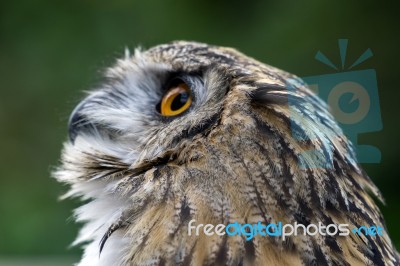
{"x": 50, "y": 51}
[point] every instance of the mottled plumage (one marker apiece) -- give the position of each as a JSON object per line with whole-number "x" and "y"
{"x": 239, "y": 153}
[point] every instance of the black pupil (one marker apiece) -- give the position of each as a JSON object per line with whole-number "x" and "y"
{"x": 179, "y": 101}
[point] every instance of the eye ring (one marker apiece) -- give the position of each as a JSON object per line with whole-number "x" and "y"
{"x": 177, "y": 100}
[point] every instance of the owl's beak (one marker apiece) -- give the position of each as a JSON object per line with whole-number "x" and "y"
{"x": 76, "y": 121}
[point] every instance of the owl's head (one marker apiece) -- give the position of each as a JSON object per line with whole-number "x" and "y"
{"x": 188, "y": 131}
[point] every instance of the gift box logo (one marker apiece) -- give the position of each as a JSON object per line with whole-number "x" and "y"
{"x": 354, "y": 102}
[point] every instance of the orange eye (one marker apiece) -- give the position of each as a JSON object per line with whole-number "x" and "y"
{"x": 176, "y": 101}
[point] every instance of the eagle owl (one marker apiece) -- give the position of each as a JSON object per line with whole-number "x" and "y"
{"x": 192, "y": 132}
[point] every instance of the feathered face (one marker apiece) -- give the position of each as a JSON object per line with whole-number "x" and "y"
{"x": 187, "y": 131}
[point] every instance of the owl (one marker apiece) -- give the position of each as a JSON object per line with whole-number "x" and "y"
{"x": 185, "y": 135}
